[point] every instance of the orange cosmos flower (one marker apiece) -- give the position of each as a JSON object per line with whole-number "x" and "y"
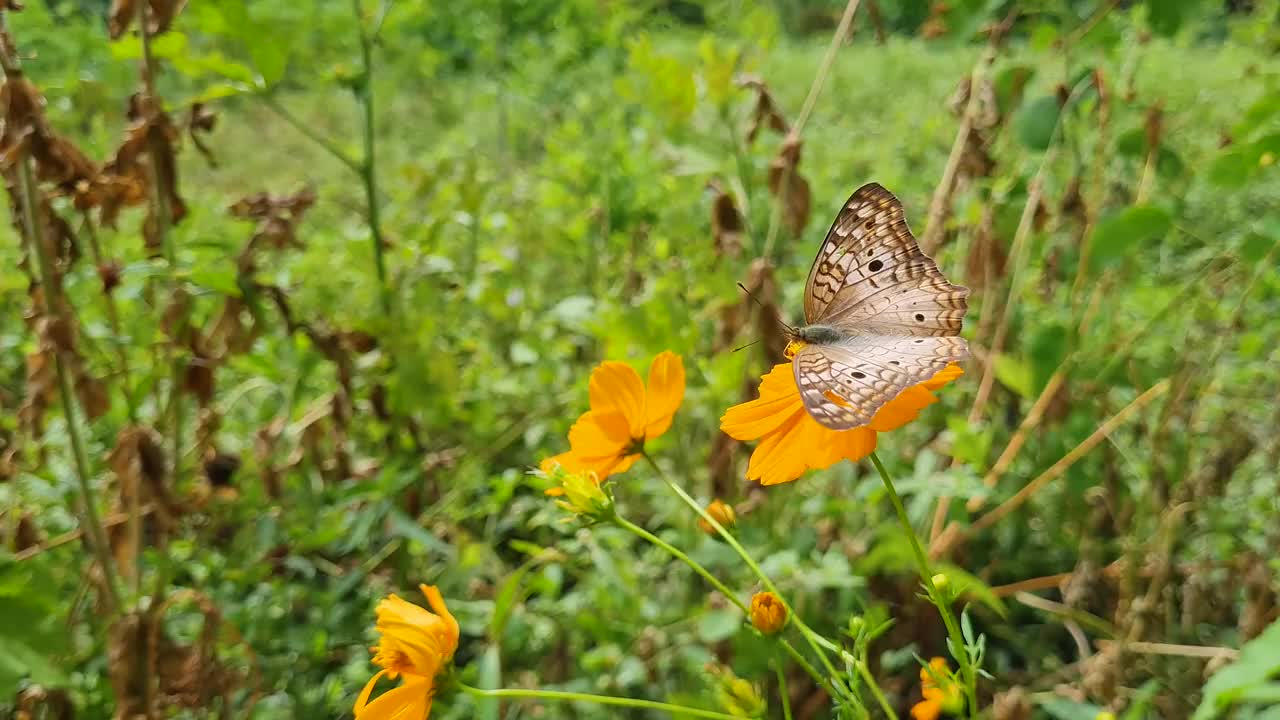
{"x": 415, "y": 643}
{"x": 768, "y": 614}
{"x": 937, "y": 699}
{"x": 624, "y": 414}
{"x": 792, "y": 442}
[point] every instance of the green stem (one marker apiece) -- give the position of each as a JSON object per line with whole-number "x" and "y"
{"x": 35, "y": 235}
{"x": 564, "y": 696}
{"x": 369, "y": 163}
{"x": 783, "y": 694}
{"x": 680, "y": 555}
{"x": 305, "y": 130}
{"x": 861, "y": 667}
{"x": 801, "y": 661}
{"x": 697, "y": 567}
{"x": 926, "y": 575}
{"x": 808, "y": 633}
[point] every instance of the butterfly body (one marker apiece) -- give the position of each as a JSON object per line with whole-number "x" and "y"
{"x": 820, "y": 334}
{"x": 880, "y": 316}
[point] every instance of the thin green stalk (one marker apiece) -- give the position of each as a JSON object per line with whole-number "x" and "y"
{"x": 369, "y": 163}
{"x": 801, "y": 661}
{"x": 35, "y": 234}
{"x": 926, "y": 575}
{"x": 865, "y": 673}
{"x": 306, "y": 131}
{"x": 783, "y": 694}
{"x": 808, "y": 633}
{"x": 565, "y": 696}
{"x": 697, "y": 567}
{"x": 680, "y": 555}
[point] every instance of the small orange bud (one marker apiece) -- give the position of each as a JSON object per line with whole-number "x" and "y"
{"x": 723, "y": 514}
{"x": 768, "y": 615}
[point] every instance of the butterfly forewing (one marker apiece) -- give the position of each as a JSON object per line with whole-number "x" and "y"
{"x": 898, "y": 314}
{"x": 870, "y": 274}
{"x": 845, "y": 384}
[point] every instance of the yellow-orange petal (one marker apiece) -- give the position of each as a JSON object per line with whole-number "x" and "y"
{"x": 410, "y": 701}
{"x": 436, "y": 601}
{"x": 602, "y": 467}
{"x": 778, "y": 401}
{"x": 364, "y": 694}
{"x": 926, "y": 710}
{"x": 599, "y": 434}
{"x": 616, "y": 388}
{"x": 663, "y": 394}
{"x": 907, "y": 405}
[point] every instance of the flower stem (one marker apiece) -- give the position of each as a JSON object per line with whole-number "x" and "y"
{"x": 808, "y": 633}
{"x": 35, "y": 238}
{"x": 697, "y": 567}
{"x": 926, "y": 575}
{"x": 565, "y": 696}
{"x": 783, "y": 694}
{"x": 870, "y": 680}
{"x": 680, "y": 555}
{"x": 369, "y": 163}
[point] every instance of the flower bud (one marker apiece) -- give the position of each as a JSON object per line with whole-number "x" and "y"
{"x": 768, "y": 615}
{"x": 736, "y": 696}
{"x": 581, "y": 493}
{"x": 723, "y": 514}
{"x": 941, "y": 581}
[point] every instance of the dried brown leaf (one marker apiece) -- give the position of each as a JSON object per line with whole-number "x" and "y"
{"x": 765, "y": 114}
{"x": 790, "y": 187}
{"x": 727, "y": 226}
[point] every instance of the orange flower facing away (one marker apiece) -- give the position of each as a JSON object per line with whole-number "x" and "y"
{"x": 415, "y": 643}
{"x": 792, "y": 442}
{"x": 723, "y": 514}
{"x": 940, "y": 692}
{"x": 768, "y": 614}
{"x": 624, "y": 414}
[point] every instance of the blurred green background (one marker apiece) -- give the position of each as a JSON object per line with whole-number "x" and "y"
{"x": 548, "y": 176}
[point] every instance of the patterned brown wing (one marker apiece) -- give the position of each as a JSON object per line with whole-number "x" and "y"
{"x": 871, "y": 276}
{"x": 843, "y": 385}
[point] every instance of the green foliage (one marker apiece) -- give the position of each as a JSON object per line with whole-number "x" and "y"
{"x": 1253, "y": 679}
{"x": 542, "y": 173}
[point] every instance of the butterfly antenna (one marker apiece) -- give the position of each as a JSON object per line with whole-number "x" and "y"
{"x": 744, "y": 347}
{"x": 791, "y": 330}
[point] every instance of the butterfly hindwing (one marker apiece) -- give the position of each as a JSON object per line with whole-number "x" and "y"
{"x": 844, "y": 384}
{"x": 871, "y": 276}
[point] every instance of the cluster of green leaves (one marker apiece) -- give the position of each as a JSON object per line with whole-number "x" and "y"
{"x": 543, "y": 173}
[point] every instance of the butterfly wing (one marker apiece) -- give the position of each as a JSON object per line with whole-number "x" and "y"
{"x": 871, "y": 276}
{"x": 844, "y": 384}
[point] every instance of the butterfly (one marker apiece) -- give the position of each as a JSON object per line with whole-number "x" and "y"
{"x": 880, "y": 316}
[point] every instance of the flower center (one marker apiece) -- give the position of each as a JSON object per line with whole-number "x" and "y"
{"x": 395, "y": 661}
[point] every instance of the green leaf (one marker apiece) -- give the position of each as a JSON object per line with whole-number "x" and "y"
{"x": 1015, "y": 374}
{"x": 1036, "y": 121}
{"x": 1123, "y": 231}
{"x": 1009, "y": 85}
{"x": 1167, "y": 16}
{"x": 1259, "y": 661}
{"x": 717, "y": 625}
{"x": 218, "y": 280}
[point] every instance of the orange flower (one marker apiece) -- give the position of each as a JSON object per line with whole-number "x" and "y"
{"x": 723, "y": 514}
{"x": 792, "y": 442}
{"x": 415, "y": 643}
{"x": 768, "y": 614}
{"x": 937, "y": 698}
{"x": 608, "y": 438}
